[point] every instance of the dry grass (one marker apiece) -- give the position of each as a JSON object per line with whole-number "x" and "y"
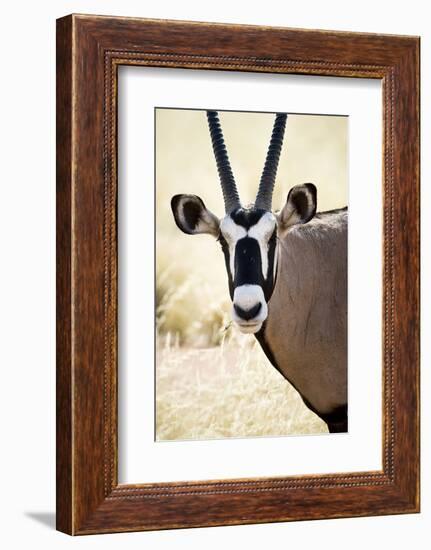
{"x": 226, "y": 391}
{"x": 192, "y": 301}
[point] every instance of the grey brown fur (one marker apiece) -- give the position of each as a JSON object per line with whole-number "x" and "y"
{"x": 306, "y": 328}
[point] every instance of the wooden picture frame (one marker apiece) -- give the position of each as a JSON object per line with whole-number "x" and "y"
{"x": 89, "y": 51}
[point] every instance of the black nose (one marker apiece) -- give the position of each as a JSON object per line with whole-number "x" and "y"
{"x": 247, "y": 314}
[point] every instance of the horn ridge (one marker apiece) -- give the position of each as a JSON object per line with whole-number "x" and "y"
{"x": 230, "y": 192}
{"x": 267, "y": 181}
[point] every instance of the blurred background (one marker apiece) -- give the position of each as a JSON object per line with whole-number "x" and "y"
{"x": 212, "y": 381}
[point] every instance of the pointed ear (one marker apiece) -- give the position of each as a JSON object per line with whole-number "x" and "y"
{"x": 192, "y": 216}
{"x": 300, "y": 206}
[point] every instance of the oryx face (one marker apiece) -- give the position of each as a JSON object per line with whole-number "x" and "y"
{"x": 248, "y": 236}
{"x": 248, "y": 239}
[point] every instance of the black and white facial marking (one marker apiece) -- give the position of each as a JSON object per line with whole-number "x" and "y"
{"x": 248, "y": 237}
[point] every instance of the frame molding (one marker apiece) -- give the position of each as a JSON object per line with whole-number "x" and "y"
{"x": 89, "y": 51}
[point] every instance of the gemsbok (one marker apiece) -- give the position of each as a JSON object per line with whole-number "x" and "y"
{"x": 287, "y": 275}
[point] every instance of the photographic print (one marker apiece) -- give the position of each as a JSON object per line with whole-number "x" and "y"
{"x": 211, "y": 314}
{"x": 251, "y": 274}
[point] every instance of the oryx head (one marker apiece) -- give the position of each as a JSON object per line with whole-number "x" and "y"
{"x": 248, "y": 235}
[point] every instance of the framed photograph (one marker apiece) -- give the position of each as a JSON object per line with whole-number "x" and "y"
{"x": 237, "y": 274}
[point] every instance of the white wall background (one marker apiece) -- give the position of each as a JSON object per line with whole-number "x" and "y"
{"x": 27, "y": 244}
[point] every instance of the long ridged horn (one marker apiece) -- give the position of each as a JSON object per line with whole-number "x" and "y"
{"x": 230, "y": 193}
{"x": 267, "y": 181}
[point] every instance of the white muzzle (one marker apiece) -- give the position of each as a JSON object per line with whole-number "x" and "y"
{"x": 246, "y": 299}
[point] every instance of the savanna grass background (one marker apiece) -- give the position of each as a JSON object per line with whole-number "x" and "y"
{"x": 212, "y": 381}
